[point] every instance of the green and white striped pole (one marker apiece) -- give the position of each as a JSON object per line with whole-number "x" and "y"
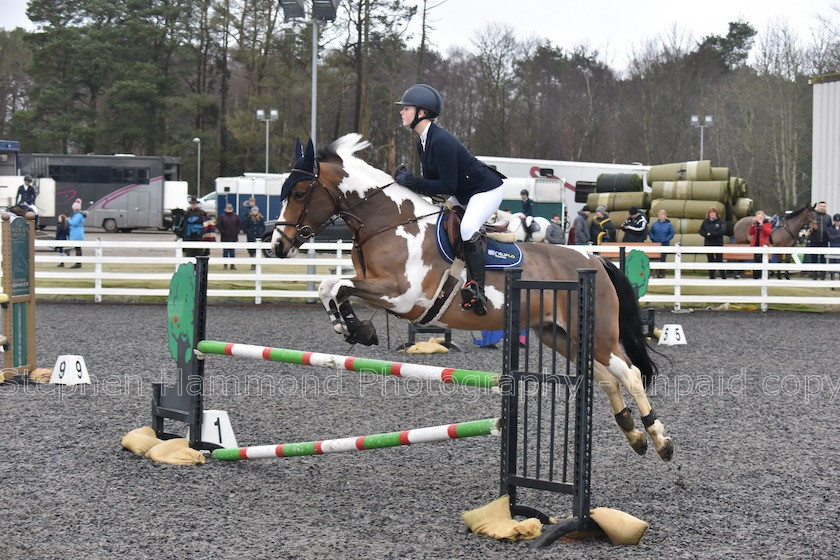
{"x": 349, "y": 363}
{"x": 445, "y": 432}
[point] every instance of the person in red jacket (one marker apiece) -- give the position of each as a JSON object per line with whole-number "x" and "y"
{"x": 760, "y": 230}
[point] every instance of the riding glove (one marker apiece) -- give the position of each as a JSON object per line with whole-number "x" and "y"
{"x": 404, "y": 178}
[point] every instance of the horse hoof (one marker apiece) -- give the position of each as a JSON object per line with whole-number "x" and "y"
{"x": 667, "y": 450}
{"x": 637, "y": 441}
{"x": 365, "y": 335}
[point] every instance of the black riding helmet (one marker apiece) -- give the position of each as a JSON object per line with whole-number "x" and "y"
{"x": 425, "y": 97}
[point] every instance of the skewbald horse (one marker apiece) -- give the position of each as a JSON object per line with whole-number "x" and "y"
{"x": 399, "y": 269}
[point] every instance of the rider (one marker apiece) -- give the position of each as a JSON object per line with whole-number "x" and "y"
{"x": 449, "y": 168}
{"x": 26, "y": 196}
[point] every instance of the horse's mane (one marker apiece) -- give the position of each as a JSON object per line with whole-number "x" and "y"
{"x": 343, "y": 148}
{"x": 797, "y": 212}
{"x": 362, "y": 176}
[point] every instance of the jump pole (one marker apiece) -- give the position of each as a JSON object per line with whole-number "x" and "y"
{"x": 349, "y": 363}
{"x": 431, "y": 434}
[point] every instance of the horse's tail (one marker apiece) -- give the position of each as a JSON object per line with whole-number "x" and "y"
{"x": 630, "y": 324}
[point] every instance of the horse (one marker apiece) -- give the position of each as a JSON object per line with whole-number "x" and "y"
{"x": 399, "y": 268}
{"x": 785, "y": 235}
{"x": 516, "y": 225}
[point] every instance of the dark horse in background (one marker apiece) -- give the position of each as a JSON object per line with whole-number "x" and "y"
{"x": 785, "y": 235}
{"x": 399, "y": 269}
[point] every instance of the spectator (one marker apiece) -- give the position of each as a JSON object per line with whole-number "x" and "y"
{"x": 245, "y": 211}
{"x": 760, "y": 230}
{"x": 712, "y": 229}
{"x": 635, "y": 226}
{"x": 662, "y": 232}
{"x": 229, "y": 225}
{"x": 818, "y": 237}
{"x": 834, "y": 241}
{"x": 555, "y": 234}
{"x": 191, "y": 227}
{"x": 77, "y": 227}
{"x": 581, "y": 226}
{"x": 62, "y": 233}
{"x": 602, "y": 229}
{"x": 254, "y": 226}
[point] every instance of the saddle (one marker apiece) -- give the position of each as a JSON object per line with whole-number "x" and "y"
{"x": 452, "y": 220}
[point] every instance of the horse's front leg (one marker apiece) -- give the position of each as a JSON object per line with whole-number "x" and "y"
{"x": 336, "y": 293}
{"x": 325, "y": 293}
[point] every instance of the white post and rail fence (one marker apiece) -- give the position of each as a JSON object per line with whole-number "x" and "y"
{"x": 140, "y": 271}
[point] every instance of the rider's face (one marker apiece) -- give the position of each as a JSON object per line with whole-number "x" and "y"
{"x": 407, "y": 114}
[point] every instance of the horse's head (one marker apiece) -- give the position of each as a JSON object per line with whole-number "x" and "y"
{"x": 310, "y": 197}
{"x": 336, "y": 183}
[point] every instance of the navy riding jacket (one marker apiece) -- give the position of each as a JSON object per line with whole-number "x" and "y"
{"x": 449, "y": 168}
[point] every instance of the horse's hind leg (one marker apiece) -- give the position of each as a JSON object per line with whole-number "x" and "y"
{"x": 556, "y": 338}
{"x": 631, "y": 378}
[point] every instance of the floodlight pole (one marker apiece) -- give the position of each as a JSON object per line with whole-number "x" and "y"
{"x": 314, "y": 117}
{"x": 707, "y": 121}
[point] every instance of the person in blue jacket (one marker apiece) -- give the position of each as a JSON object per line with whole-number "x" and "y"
{"x": 448, "y": 168}
{"x": 77, "y": 227}
{"x": 662, "y": 232}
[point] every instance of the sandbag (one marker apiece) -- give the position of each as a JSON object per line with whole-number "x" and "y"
{"x": 431, "y": 346}
{"x": 494, "y": 520}
{"x": 685, "y": 171}
{"x": 720, "y": 174}
{"x": 692, "y": 190}
{"x": 618, "y": 182}
{"x": 139, "y": 441}
{"x": 743, "y": 207}
{"x": 619, "y": 200}
{"x": 175, "y": 452}
{"x": 697, "y": 209}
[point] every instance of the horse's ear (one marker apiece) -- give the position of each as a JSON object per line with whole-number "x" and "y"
{"x": 298, "y": 149}
{"x": 309, "y": 156}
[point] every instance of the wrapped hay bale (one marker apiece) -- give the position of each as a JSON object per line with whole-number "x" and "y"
{"x": 738, "y": 187}
{"x": 689, "y": 239}
{"x": 618, "y": 182}
{"x": 685, "y": 208}
{"x": 684, "y": 171}
{"x": 619, "y": 200}
{"x": 720, "y": 174}
{"x": 743, "y": 207}
{"x": 687, "y": 225}
{"x": 694, "y": 190}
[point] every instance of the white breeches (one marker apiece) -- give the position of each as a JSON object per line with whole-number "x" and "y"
{"x": 479, "y": 208}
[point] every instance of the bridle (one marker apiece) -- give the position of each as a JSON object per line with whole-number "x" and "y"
{"x": 305, "y": 232}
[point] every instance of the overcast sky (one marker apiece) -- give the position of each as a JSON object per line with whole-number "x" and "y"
{"x": 612, "y": 27}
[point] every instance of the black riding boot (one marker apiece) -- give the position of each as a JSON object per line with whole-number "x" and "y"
{"x": 473, "y": 291}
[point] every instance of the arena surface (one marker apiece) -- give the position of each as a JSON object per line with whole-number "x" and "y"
{"x": 751, "y": 403}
